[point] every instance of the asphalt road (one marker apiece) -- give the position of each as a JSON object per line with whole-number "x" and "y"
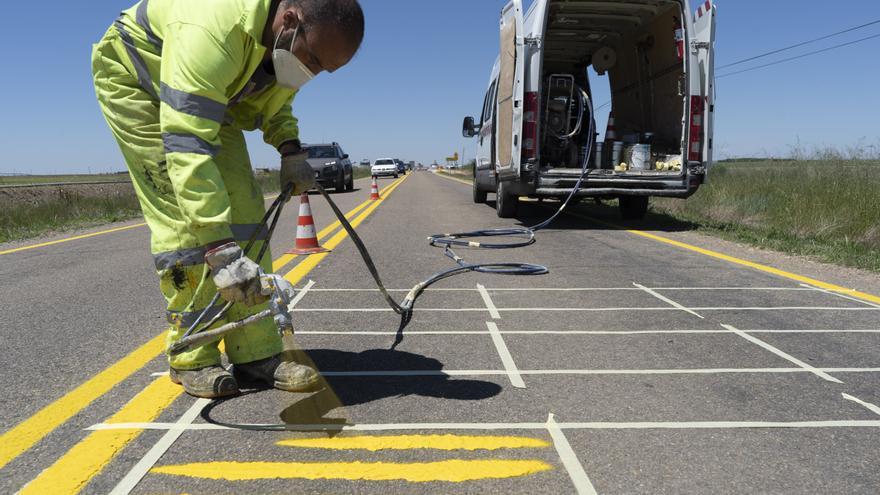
{"x": 649, "y": 360}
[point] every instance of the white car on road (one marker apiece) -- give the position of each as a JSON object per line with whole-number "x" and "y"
{"x": 384, "y": 166}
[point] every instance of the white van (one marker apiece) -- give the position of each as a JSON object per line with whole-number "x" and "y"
{"x": 533, "y": 129}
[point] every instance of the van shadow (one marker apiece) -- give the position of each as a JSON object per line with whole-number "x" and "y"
{"x": 531, "y": 213}
{"x": 335, "y": 392}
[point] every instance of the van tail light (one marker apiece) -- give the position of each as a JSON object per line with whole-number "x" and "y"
{"x": 678, "y": 34}
{"x": 695, "y": 148}
{"x": 530, "y": 126}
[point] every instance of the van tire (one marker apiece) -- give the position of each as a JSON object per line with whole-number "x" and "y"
{"x": 633, "y": 207}
{"x": 505, "y": 203}
{"x": 479, "y": 195}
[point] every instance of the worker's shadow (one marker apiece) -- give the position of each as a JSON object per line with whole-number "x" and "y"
{"x": 421, "y": 376}
{"x": 351, "y": 390}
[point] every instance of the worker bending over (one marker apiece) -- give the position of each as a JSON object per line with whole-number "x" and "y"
{"x": 178, "y": 82}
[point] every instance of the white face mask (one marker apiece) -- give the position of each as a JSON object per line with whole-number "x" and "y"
{"x": 290, "y": 72}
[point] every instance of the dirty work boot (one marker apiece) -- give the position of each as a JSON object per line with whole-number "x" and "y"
{"x": 283, "y": 375}
{"x": 209, "y": 382}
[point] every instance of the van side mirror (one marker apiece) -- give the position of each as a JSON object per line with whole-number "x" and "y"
{"x": 345, "y": 156}
{"x": 468, "y": 128}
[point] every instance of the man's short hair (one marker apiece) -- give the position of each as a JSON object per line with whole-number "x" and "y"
{"x": 345, "y": 15}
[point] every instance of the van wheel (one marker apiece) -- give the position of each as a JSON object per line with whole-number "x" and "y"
{"x": 505, "y": 203}
{"x": 349, "y": 185}
{"x": 339, "y": 186}
{"x": 633, "y": 207}
{"x": 479, "y": 196}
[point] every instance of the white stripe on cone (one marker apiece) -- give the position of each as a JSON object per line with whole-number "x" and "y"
{"x": 306, "y": 232}
{"x": 306, "y": 237}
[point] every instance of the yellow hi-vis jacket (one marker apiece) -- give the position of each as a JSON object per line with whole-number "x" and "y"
{"x": 202, "y": 61}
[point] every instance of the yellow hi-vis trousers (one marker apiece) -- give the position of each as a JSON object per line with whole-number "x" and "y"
{"x": 133, "y": 117}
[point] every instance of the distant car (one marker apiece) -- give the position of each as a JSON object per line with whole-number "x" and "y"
{"x": 384, "y": 167}
{"x": 331, "y": 165}
{"x": 365, "y": 163}
{"x": 401, "y": 167}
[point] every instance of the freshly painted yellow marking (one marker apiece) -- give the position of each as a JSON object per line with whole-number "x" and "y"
{"x": 81, "y": 466}
{"x": 406, "y": 442}
{"x": 30, "y": 431}
{"x": 72, "y": 472}
{"x": 301, "y": 270}
{"x": 74, "y": 238}
{"x": 455, "y": 470}
{"x": 284, "y": 259}
{"x": 721, "y": 256}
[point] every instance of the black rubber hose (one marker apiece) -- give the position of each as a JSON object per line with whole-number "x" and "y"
{"x": 526, "y": 237}
{"x": 274, "y": 211}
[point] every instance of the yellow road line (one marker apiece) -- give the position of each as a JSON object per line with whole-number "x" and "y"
{"x": 407, "y": 442}
{"x": 455, "y": 470}
{"x": 284, "y": 259}
{"x": 74, "y": 238}
{"x": 30, "y": 431}
{"x": 79, "y": 467}
{"x": 93, "y": 234}
{"x": 721, "y": 256}
{"x": 738, "y": 261}
{"x": 72, "y": 472}
{"x": 301, "y": 270}
{"x": 456, "y": 179}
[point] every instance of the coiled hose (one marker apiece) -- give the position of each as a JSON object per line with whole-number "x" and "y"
{"x": 525, "y": 236}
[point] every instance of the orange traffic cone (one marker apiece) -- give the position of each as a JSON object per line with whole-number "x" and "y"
{"x": 374, "y": 190}
{"x": 306, "y": 238}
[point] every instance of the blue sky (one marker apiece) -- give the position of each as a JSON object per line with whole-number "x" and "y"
{"x": 423, "y": 66}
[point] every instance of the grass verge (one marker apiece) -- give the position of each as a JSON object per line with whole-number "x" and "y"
{"x": 826, "y": 209}
{"x": 360, "y": 172}
{"x": 18, "y": 180}
{"x": 464, "y": 172}
{"x": 31, "y": 212}
{"x": 63, "y": 209}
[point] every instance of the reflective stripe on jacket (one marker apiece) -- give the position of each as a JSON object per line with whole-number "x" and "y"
{"x": 201, "y": 60}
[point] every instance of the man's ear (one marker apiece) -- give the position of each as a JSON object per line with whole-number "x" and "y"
{"x": 290, "y": 19}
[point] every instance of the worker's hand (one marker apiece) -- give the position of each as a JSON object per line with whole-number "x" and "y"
{"x": 295, "y": 169}
{"x": 236, "y": 276}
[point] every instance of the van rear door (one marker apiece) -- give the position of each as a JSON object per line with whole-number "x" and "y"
{"x": 702, "y": 51}
{"x": 510, "y": 91}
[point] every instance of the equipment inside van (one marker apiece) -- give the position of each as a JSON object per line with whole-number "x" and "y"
{"x": 533, "y": 133}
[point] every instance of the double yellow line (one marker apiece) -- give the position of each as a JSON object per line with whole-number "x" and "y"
{"x": 86, "y": 459}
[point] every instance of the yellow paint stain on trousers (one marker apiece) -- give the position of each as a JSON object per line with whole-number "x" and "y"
{"x": 455, "y": 470}
{"x": 407, "y": 442}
